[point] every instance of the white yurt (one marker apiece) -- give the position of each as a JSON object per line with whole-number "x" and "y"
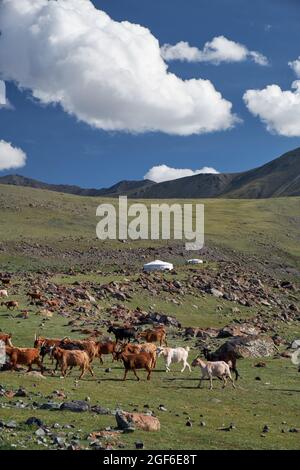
{"x": 195, "y": 261}
{"x": 158, "y": 265}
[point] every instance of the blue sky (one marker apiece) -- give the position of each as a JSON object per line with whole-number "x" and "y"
{"x": 61, "y": 149}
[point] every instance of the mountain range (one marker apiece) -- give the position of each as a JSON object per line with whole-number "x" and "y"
{"x": 278, "y": 178}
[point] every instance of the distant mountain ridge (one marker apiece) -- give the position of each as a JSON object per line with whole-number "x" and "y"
{"x": 123, "y": 187}
{"x": 278, "y": 178}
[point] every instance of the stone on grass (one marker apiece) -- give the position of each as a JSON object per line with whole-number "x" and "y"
{"x": 33, "y": 421}
{"x": 131, "y": 421}
{"x": 40, "y": 432}
{"x": 249, "y": 346}
{"x": 36, "y": 374}
{"x": 139, "y": 445}
{"x": 50, "y": 406}
{"x": 11, "y": 425}
{"x": 77, "y": 406}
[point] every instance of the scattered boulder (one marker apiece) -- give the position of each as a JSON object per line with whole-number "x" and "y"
{"x": 50, "y": 406}
{"x": 287, "y": 285}
{"x": 215, "y": 292}
{"x": 243, "y": 329}
{"x": 33, "y": 421}
{"x": 162, "y": 408}
{"x": 59, "y": 441}
{"x": 260, "y": 364}
{"x": 278, "y": 340}
{"x": 40, "y": 432}
{"x": 249, "y": 346}
{"x": 286, "y": 354}
{"x": 21, "y": 392}
{"x": 295, "y": 344}
{"x": 36, "y": 374}
{"x": 77, "y": 406}
{"x": 11, "y": 425}
{"x": 154, "y": 317}
{"x": 294, "y": 430}
{"x": 201, "y": 333}
{"x": 99, "y": 410}
{"x": 139, "y": 445}
{"x": 141, "y": 421}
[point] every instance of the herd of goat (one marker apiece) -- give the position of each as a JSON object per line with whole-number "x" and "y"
{"x": 68, "y": 353}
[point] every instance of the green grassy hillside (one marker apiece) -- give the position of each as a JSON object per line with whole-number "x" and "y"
{"x": 38, "y": 226}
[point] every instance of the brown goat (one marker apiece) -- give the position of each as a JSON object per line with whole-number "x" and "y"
{"x": 90, "y": 347}
{"x": 42, "y": 341}
{"x": 153, "y": 336}
{"x": 72, "y": 359}
{"x": 52, "y": 303}
{"x": 45, "y": 344}
{"x": 24, "y": 356}
{"x": 144, "y": 347}
{"x": 10, "y": 304}
{"x": 106, "y": 348}
{"x": 34, "y": 295}
{"x": 136, "y": 361}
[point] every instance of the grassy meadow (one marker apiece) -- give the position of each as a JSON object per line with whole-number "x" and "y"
{"x": 45, "y": 233}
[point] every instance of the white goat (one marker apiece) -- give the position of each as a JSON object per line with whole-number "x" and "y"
{"x": 213, "y": 369}
{"x": 3, "y": 293}
{"x": 174, "y": 355}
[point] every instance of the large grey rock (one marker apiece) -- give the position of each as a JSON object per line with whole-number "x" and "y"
{"x": 77, "y": 406}
{"x": 249, "y": 346}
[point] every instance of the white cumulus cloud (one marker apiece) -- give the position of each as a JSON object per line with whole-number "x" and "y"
{"x": 162, "y": 173}
{"x": 278, "y": 109}
{"x": 11, "y": 157}
{"x": 2, "y": 94}
{"x": 295, "y": 65}
{"x": 108, "y": 74}
{"x": 220, "y": 49}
